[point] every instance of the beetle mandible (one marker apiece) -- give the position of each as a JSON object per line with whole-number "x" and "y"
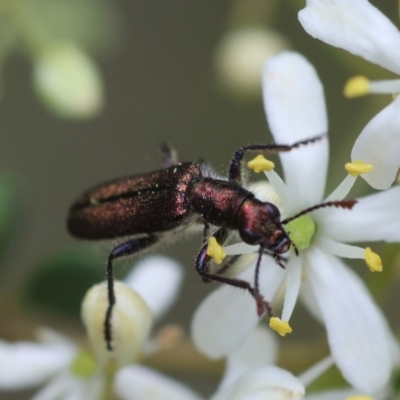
{"x": 144, "y": 208}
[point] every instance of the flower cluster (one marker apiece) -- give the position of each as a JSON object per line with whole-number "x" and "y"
{"x": 324, "y": 229}
{"x": 295, "y": 108}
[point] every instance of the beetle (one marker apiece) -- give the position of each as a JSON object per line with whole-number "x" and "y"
{"x": 144, "y": 208}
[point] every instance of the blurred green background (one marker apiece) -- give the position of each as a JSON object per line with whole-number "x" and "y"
{"x": 157, "y": 61}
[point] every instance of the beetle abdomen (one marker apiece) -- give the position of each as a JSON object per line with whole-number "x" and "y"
{"x": 153, "y": 202}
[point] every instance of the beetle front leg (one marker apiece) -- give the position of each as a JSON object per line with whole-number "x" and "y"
{"x": 202, "y": 268}
{"x": 128, "y": 248}
{"x": 220, "y": 235}
{"x": 206, "y": 232}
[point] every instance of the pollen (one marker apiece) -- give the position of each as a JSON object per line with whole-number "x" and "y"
{"x": 282, "y": 327}
{"x": 356, "y": 168}
{"x": 373, "y": 260}
{"x": 260, "y": 163}
{"x": 356, "y": 87}
{"x": 215, "y": 251}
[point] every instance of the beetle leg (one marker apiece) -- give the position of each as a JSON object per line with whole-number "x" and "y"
{"x": 128, "y": 248}
{"x": 206, "y": 232}
{"x": 235, "y": 168}
{"x": 228, "y": 264}
{"x": 202, "y": 268}
{"x": 220, "y": 235}
{"x": 170, "y": 156}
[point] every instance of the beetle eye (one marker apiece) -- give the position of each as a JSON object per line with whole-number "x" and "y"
{"x": 273, "y": 211}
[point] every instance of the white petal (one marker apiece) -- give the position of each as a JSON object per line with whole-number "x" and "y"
{"x": 259, "y": 349}
{"x": 157, "y": 280}
{"x": 223, "y": 320}
{"x": 339, "y": 394}
{"x": 265, "y": 383}
{"x": 356, "y": 26}
{"x": 358, "y": 334}
{"x": 228, "y": 315}
{"x": 295, "y": 107}
{"x": 135, "y": 382}
{"x": 240, "y": 248}
{"x": 379, "y": 145}
{"x": 25, "y": 364}
{"x": 293, "y": 286}
{"x": 373, "y": 218}
{"x": 50, "y": 336}
{"x": 55, "y": 389}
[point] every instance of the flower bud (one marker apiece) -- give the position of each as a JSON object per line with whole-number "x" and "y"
{"x": 131, "y": 322}
{"x": 240, "y": 57}
{"x": 68, "y": 81}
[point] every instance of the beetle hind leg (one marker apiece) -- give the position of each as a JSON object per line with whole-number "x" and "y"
{"x": 125, "y": 249}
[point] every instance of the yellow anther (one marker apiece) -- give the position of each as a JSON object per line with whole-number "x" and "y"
{"x": 356, "y": 87}
{"x": 359, "y": 397}
{"x": 260, "y": 163}
{"x": 215, "y": 251}
{"x": 373, "y": 260}
{"x": 356, "y": 168}
{"x": 282, "y": 327}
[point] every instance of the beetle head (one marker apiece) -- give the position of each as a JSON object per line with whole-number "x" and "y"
{"x": 259, "y": 223}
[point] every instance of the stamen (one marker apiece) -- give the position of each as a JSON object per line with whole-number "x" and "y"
{"x": 215, "y": 251}
{"x": 341, "y": 249}
{"x": 280, "y": 188}
{"x": 343, "y": 189}
{"x": 356, "y": 87}
{"x": 292, "y": 287}
{"x": 317, "y": 370}
{"x": 356, "y": 168}
{"x": 282, "y": 327}
{"x": 260, "y": 163}
{"x": 373, "y": 260}
{"x": 389, "y": 86}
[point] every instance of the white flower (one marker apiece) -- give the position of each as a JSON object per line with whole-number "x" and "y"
{"x": 361, "y": 343}
{"x": 69, "y": 372}
{"x": 360, "y": 28}
{"x": 54, "y": 361}
{"x": 251, "y": 374}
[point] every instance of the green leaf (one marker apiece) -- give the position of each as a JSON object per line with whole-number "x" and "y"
{"x": 60, "y": 281}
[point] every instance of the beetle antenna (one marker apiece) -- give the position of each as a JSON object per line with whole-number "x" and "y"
{"x": 347, "y": 204}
